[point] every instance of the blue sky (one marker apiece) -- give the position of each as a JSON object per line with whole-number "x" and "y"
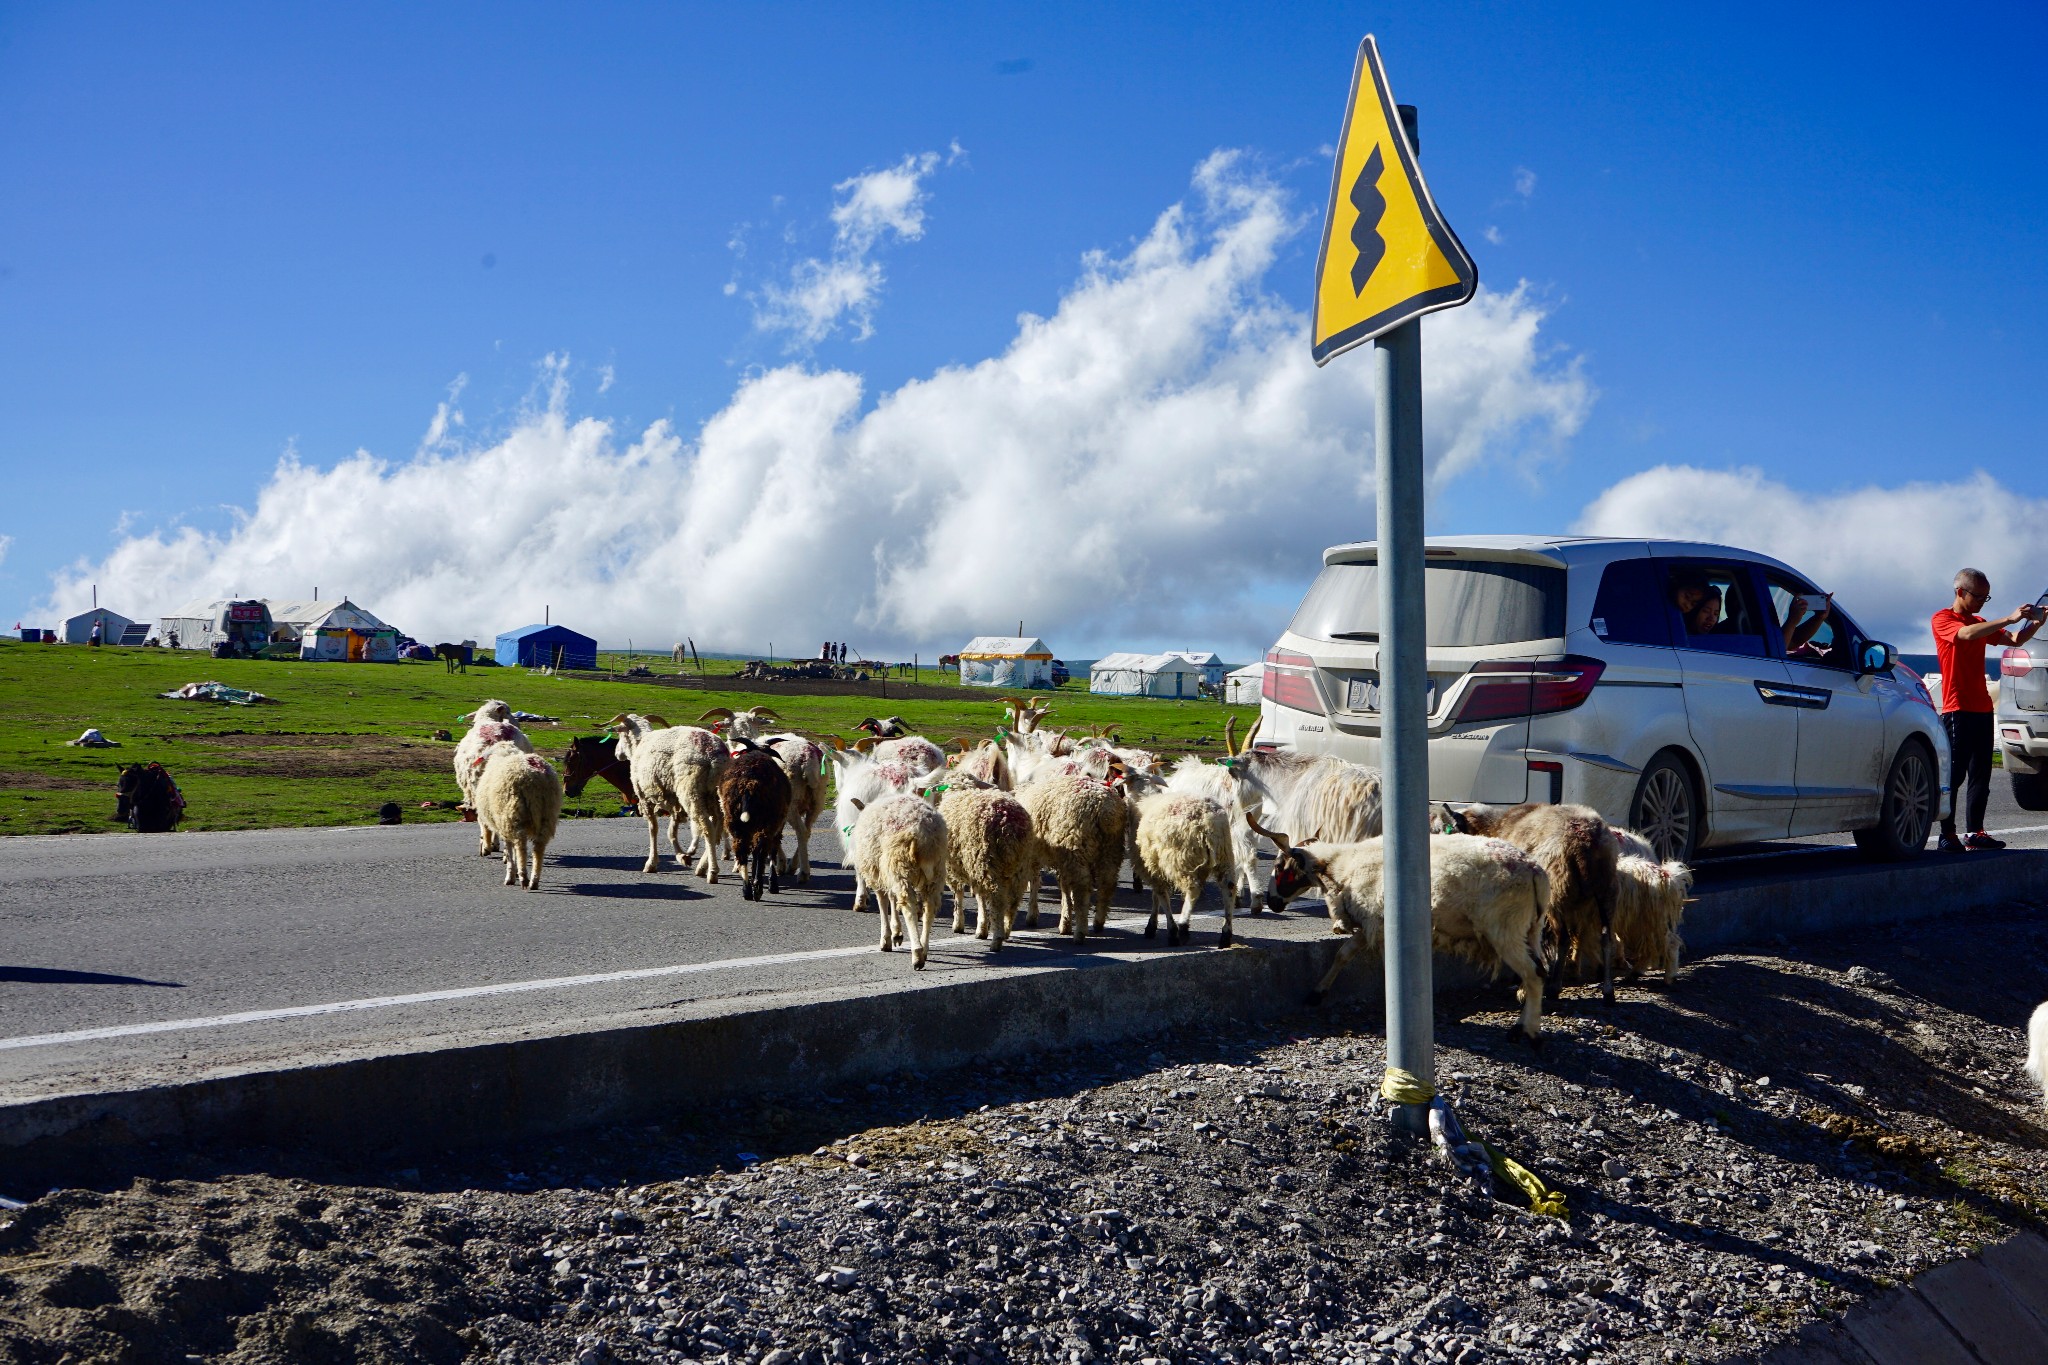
{"x": 1806, "y": 242}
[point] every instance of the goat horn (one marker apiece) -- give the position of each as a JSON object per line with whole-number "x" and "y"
{"x": 762, "y": 713}
{"x": 653, "y": 719}
{"x": 1246, "y": 747}
{"x": 1230, "y": 736}
{"x": 865, "y": 745}
{"x": 716, "y": 713}
{"x": 960, "y": 743}
{"x": 837, "y": 744}
{"x": 1279, "y": 840}
{"x": 619, "y": 719}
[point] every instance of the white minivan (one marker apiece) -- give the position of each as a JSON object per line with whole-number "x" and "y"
{"x": 1562, "y": 669}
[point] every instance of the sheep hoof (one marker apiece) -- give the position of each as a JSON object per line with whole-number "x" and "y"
{"x": 1152, "y": 931}
{"x": 1534, "y": 1040}
{"x": 917, "y": 965}
{"x": 1225, "y": 939}
{"x": 652, "y": 865}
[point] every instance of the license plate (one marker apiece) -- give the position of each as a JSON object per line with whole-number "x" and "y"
{"x": 1363, "y": 694}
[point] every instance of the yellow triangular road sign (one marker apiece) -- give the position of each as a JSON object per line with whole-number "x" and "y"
{"x": 1387, "y": 255}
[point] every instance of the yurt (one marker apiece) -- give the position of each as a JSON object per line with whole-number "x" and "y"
{"x": 334, "y": 631}
{"x": 1145, "y": 675}
{"x": 1006, "y": 661}
{"x": 77, "y": 630}
{"x": 546, "y": 646}
{"x": 1243, "y": 686}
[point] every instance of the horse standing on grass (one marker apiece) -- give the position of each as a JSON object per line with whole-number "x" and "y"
{"x": 454, "y": 656}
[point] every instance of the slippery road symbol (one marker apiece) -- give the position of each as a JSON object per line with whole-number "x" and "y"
{"x": 1371, "y": 206}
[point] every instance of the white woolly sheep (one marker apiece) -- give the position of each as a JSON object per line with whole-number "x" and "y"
{"x": 984, "y": 763}
{"x": 988, "y": 853}
{"x": 1311, "y": 796}
{"x": 899, "y": 849}
{"x": 1183, "y": 842}
{"x": 2037, "y": 1049}
{"x": 860, "y": 780}
{"x": 914, "y": 751}
{"x": 1487, "y": 901}
{"x": 1078, "y": 827}
{"x": 1649, "y": 904}
{"x": 519, "y": 799}
{"x": 675, "y": 772}
{"x": 1575, "y": 847}
{"x": 491, "y": 723}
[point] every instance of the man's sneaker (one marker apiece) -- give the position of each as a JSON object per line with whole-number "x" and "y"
{"x": 1948, "y": 843}
{"x": 1980, "y": 840}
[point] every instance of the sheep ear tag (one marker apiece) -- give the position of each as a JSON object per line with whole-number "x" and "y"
{"x": 1387, "y": 254}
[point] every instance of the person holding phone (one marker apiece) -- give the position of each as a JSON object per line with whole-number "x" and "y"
{"x": 1960, "y": 639}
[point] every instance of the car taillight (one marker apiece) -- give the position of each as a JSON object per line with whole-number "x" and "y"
{"x": 1288, "y": 681}
{"x": 1505, "y": 688}
{"x": 2015, "y": 663}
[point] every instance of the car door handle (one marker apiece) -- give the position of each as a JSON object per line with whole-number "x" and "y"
{"x": 1791, "y": 694}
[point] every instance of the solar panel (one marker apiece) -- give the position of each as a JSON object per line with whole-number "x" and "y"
{"x": 135, "y": 632}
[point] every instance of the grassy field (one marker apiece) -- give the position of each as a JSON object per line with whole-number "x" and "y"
{"x": 345, "y": 738}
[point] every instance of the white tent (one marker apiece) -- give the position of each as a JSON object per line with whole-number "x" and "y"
{"x": 1243, "y": 686}
{"x": 1210, "y": 664}
{"x": 1145, "y": 675}
{"x": 1006, "y": 661}
{"x": 203, "y": 624}
{"x": 332, "y": 630}
{"x": 78, "y": 629}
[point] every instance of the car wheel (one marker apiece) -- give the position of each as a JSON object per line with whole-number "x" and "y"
{"x": 2030, "y": 790}
{"x": 1666, "y": 810}
{"x": 1906, "y": 812}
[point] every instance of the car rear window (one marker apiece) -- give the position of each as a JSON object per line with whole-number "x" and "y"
{"x": 1465, "y": 602}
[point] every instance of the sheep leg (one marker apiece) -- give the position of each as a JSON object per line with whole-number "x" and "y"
{"x": 1344, "y": 953}
{"x": 654, "y": 837}
{"x": 960, "y": 912}
{"x": 512, "y": 870}
{"x": 766, "y": 862}
{"x": 1103, "y": 895}
{"x": 1228, "y": 936}
{"x": 998, "y": 910}
{"x": 927, "y": 899}
{"x": 538, "y": 855}
{"x": 1152, "y": 920}
{"x": 888, "y": 921}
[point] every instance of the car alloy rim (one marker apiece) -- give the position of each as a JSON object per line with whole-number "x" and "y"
{"x": 1667, "y": 813}
{"x": 1909, "y": 801}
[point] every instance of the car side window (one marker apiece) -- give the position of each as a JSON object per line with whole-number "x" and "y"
{"x": 1810, "y": 630}
{"x": 1629, "y": 608}
{"x": 1716, "y": 606}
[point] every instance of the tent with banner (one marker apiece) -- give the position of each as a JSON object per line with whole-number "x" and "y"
{"x": 335, "y": 631}
{"x": 1006, "y": 661}
{"x": 1243, "y": 686}
{"x": 203, "y": 624}
{"x": 1145, "y": 675}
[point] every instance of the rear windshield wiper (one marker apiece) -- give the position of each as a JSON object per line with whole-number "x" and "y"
{"x": 1354, "y": 635}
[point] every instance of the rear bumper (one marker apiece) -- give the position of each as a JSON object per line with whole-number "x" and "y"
{"x": 2023, "y": 740}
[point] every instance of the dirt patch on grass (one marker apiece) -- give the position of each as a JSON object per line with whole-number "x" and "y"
{"x": 327, "y": 755}
{"x": 16, "y": 779}
{"x": 879, "y": 691}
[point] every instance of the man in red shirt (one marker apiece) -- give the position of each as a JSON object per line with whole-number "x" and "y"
{"x": 1960, "y": 638}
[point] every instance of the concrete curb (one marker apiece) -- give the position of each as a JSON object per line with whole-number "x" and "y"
{"x": 517, "y": 1089}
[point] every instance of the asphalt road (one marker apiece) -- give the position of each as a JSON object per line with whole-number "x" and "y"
{"x": 129, "y": 959}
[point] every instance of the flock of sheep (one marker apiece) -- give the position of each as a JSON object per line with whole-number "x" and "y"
{"x": 1507, "y": 885}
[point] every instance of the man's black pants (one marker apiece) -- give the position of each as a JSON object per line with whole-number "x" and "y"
{"x": 1969, "y": 760}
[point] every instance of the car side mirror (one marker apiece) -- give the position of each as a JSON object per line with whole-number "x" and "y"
{"x": 1878, "y": 657}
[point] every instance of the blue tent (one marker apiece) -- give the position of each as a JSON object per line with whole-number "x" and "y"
{"x": 535, "y": 646}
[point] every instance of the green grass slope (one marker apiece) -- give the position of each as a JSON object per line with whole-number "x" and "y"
{"x": 345, "y": 738}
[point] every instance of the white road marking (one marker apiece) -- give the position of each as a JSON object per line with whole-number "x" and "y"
{"x": 1831, "y": 848}
{"x": 93, "y": 1035}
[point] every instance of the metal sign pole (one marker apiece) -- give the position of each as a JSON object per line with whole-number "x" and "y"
{"x": 1404, "y": 717}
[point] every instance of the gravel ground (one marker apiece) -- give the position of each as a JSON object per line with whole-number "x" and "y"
{"x": 1742, "y": 1154}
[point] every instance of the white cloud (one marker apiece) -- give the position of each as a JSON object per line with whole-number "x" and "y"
{"x": 1888, "y": 553}
{"x": 871, "y": 209}
{"x": 1158, "y": 461}
{"x": 605, "y": 376}
{"x": 1493, "y": 235}
{"x": 1525, "y": 181}
{"x": 6, "y": 543}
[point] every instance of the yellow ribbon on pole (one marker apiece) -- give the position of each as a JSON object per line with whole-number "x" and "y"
{"x": 1398, "y": 1086}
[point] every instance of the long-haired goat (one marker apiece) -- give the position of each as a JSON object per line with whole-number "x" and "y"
{"x": 753, "y": 797}
{"x": 1576, "y": 849}
{"x": 1487, "y": 901}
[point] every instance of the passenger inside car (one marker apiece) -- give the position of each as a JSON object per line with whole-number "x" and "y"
{"x": 1704, "y": 618}
{"x": 1803, "y": 620}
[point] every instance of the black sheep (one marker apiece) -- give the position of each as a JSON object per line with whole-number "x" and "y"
{"x": 754, "y": 794}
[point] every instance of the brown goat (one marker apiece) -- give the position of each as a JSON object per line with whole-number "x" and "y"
{"x": 1575, "y": 850}
{"x": 754, "y": 795}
